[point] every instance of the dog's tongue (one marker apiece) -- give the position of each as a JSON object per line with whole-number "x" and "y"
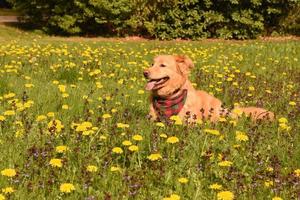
{"x": 150, "y": 85}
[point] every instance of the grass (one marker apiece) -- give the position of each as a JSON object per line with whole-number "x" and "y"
{"x": 88, "y": 96}
{"x": 8, "y": 12}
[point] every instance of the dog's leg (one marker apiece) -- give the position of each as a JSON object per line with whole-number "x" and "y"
{"x": 253, "y": 112}
{"x": 152, "y": 113}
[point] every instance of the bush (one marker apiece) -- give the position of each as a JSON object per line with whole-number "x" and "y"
{"x": 164, "y": 19}
{"x": 291, "y": 23}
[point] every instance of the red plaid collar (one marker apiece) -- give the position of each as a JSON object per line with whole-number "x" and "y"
{"x": 166, "y": 107}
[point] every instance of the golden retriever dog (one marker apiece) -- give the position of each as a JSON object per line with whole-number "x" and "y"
{"x": 173, "y": 94}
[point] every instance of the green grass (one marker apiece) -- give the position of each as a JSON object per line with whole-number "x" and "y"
{"x": 105, "y": 77}
{"x": 8, "y": 12}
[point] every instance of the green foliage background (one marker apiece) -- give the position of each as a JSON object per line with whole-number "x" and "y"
{"x": 164, "y": 19}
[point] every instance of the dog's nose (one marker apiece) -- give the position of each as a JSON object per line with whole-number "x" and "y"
{"x": 146, "y": 74}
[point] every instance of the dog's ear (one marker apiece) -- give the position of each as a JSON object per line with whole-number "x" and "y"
{"x": 185, "y": 64}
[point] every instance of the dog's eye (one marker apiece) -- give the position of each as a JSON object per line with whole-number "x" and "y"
{"x": 152, "y": 64}
{"x": 162, "y": 65}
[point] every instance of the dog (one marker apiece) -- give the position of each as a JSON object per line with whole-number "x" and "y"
{"x": 173, "y": 94}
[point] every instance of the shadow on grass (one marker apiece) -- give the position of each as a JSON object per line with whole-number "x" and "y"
{"x": 104, "y": 31}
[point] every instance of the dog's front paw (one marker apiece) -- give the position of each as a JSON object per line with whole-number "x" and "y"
{"x": 151, "y": 117}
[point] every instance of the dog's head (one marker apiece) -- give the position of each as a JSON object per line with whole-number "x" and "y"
{"x": 167, "y": 74}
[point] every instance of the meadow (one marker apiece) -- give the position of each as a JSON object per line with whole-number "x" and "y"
{"x": 73, "y": 121}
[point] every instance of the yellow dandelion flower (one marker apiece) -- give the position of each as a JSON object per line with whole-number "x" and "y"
{"x": 225, "y": 195}
{"x": 160, "y": 124}
{"x": 9, "y": 113}
{"x": 92, "y": 168}
{"x": 172, "y": 197}
{"x": 121, "y": 125}
{"x": 50, "y": 114}
{"x": 65, "y": 95}
{"x": 237, "y": 111}
{"x": 55, "y": 126}
{"x": 88, "y": 132}
{"x": 277, "y": 198}
{"x": 29, "y": 85}
{"x": 106, "y": 116}
{"x": 117, "y": 150}
{"x": 55, "y": 162}
{"x": 154, "y": 157}
{"x": 99, "y": 85}
{"x": 283, "y": 120}
{"x": 9, "y": 95}
{"x": 9, "y": 172}
{"x": 268, "y": 91}
{"x": 283, "y": 126}
{"x": 172, "y": 140}
{"x": 126, "y": 143}
{"x": 141, "y": 92}
{"x": 83, "y": 126}
{"x": 212, "y": 131}
{"x": 55, "y": 82}
{"x": 290, "y": 86}
{"x": 103, "y": 137}
{"x": 225, "y": 163}
{"x": 121, "y": 81}
{"x": 65, "y": 107}
{"x": 177, "y": 120}
{"x": 2, "y": 118}
{"x": 67, "y": 187}
{"x": 163, "y": 135}
{"x": 183, "y": 180}
{"x": 222, "y": 119}
{"x": 2, "y": 197}
{"x": 269, "y": 183}
{"x": 40, "y": 118}
{"x": 114, "y": 110}
{"x": 80, "y": 128}
{"x": 61, "y": 149}
{"x": 233, "y": 122}
{"x": 95, "y": 128}
{"x": 8, "y": 190}
{"x": 28, "y": 104}
{"x": 115, "y": 169}
{"x": 270, "y": 169}
{"x": 215, "y": 186}
{"x": 297, "y": 172}
{"x": 133, "y": 148}
{"x": 292, "y": 103}
{"x": 62, "y": 88}
{"x": 137, "y": 137}
{"x": 240, "y": 136}
{"x": 251, "y": 88}
{"x": 19, "y": 133}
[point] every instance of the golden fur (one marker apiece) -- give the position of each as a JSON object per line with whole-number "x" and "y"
{"x": 169, "y": 76}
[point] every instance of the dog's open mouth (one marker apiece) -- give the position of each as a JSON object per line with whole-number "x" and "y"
{"x": 156, "y": 83}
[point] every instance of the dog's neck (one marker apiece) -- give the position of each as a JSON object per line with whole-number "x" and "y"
{"x": 187, "y": 85}
{"x": 173, "y": 95}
